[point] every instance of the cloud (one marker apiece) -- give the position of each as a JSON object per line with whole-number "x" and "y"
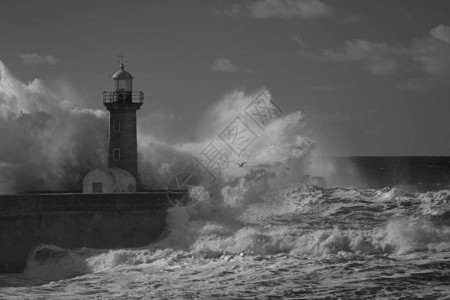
{"x": 377, "y": 58}
{"x": 432, "y": 53}
{"x": 417, "y": 85}
{"x": 298, "y": 40}
{"x": 442, "y": 33}
{"x": 429, "y": 55}
{"x": 223, "y": 65}
{"x": 281, "y": 9}
{"x": 36, "y": 59}
{"x": 382, "y": 67}
{"x": 226, "y": 65}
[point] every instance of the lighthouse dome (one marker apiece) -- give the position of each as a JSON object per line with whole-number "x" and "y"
{"x": 122, "y": 74}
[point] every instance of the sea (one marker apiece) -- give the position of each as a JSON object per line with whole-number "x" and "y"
{"x": 374, "y": 228}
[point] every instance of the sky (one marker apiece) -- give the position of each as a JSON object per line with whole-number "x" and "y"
{"x": 370, "y": 77}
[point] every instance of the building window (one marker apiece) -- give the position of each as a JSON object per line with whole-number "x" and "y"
{"x": 116, "y": 154}
{"x": 97, "y": 187}
{"x": 116, "y": 125}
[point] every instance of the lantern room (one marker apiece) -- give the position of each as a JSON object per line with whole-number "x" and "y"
{"x": 122, "y": 88}
{"x": 123, "y": 81}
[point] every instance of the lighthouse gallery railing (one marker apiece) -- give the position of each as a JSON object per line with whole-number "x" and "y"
{"x": 123, "y": 97}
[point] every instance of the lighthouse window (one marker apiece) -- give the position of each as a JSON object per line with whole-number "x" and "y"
{"x": 116, "y": 125}
{"x": 116, "y": 154}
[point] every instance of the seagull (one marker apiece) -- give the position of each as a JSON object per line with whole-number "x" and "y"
{"x": 241, "y": 164}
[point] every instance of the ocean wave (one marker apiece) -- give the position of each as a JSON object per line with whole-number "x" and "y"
{"x": 298, "y": 220}
{"x": 50, "y": 262}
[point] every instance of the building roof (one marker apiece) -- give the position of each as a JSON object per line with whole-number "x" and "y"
{"x": 122, "y": 74}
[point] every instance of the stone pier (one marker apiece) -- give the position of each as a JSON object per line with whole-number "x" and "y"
{"x": 71, "y": 221}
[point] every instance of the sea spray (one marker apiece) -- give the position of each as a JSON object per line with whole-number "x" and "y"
{"x": 50, "y": 262}
{"x": 277, "y": 158}
{"x": 51, "y": 142}
{"x": 264, "y": 210}
{"x": 346, "y": 242}
{"x": 406, "y": 236}
{"x": 281, "y": 142}
{"x": 259, "y": 235}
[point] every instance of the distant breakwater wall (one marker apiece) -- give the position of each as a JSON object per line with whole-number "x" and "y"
{"x": 71, "y": 221}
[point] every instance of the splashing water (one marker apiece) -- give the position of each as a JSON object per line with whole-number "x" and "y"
{"x": 258, "y": 232}
{"x": 51, "y": 143}
{"x": 300, "y": 242}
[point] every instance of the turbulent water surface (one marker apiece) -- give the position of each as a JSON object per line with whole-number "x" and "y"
{"x": 301, "y": 242}
{"x": 260, "y": 233}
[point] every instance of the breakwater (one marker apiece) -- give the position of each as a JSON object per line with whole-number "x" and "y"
{"x": 102, "y": 221}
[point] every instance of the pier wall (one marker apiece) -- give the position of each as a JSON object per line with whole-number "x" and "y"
{"x": 71, "y": 221}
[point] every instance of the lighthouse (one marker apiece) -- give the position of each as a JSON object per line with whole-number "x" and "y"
{"x": 122, "y": 104}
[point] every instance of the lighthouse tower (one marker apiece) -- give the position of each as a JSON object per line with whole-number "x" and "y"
{"x": 122, "y": 104}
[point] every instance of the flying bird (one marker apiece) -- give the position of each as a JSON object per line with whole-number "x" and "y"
{"x": 241, "y": 164}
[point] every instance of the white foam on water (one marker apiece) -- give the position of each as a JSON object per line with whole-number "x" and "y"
{"x": 51, "y": 262}
{"x": 435, "y": 203}
{"x": 215, "y": 227}
{"x": 406, "y": 236}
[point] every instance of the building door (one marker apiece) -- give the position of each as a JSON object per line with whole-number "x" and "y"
{"x": 97, "y": 187}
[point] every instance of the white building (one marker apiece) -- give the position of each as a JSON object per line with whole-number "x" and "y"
{"x": 113, "y": 180}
